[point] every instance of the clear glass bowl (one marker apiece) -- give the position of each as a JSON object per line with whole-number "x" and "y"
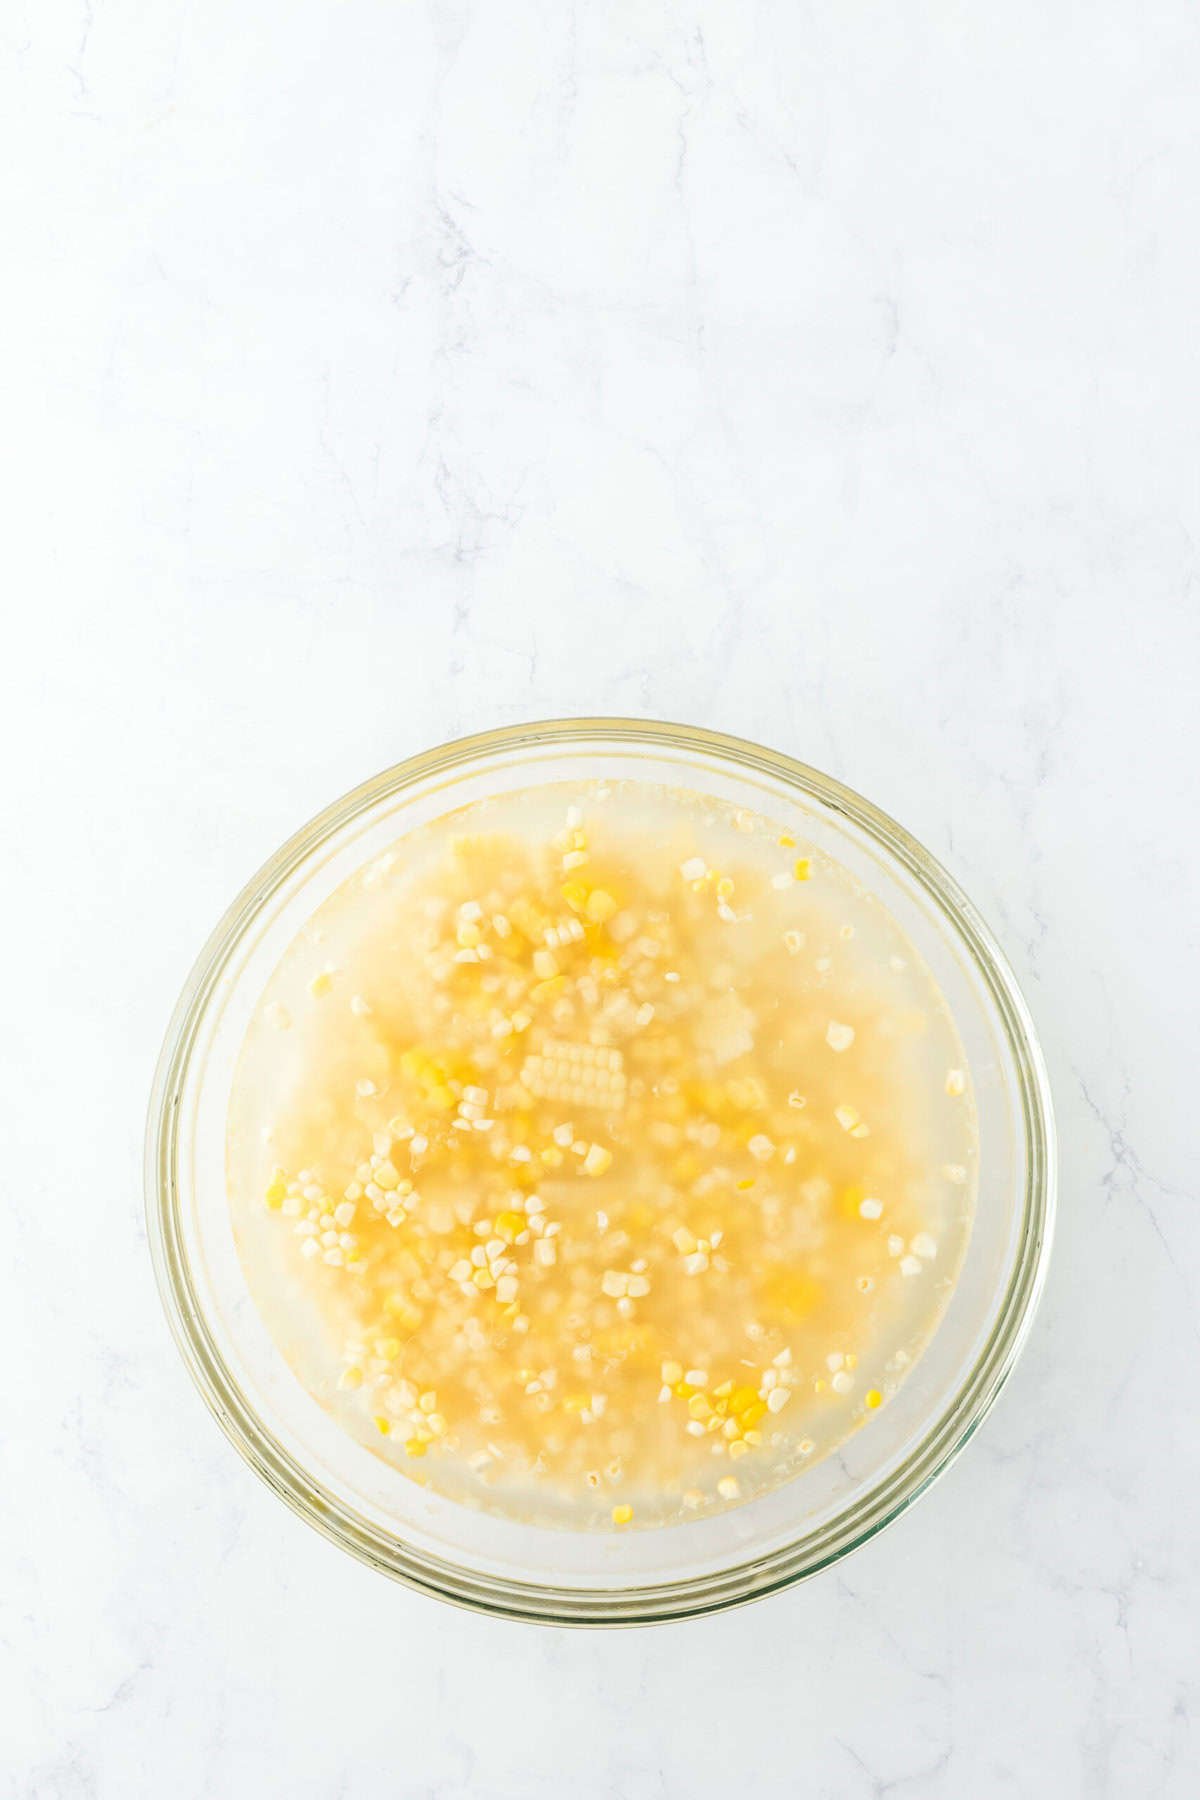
{"x": 530, "y": 1572}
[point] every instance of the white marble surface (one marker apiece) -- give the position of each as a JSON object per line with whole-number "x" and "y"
{"x": 376, "y": 372}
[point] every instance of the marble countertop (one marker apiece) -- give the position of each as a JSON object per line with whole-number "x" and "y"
{"x": 377, "y": 372}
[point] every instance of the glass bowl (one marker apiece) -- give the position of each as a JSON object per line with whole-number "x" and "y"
{"x": 555, "y": 1575}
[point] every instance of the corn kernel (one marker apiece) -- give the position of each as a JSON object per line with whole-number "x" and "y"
{"x": 550, "y": 989}
{"x": 597, "y": 1160}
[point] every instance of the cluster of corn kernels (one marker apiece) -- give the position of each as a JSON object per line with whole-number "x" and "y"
{"x": 732, "y": 1407}
{"x": 320, "y": 1222}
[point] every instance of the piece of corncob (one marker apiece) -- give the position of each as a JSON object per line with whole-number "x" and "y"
{"x": 578, "y": 1074}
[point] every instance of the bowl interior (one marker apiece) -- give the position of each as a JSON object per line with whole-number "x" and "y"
{"x": 470, "y": 1555}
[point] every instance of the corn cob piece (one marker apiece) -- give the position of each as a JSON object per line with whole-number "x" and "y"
{"x": 577, "y": 1074}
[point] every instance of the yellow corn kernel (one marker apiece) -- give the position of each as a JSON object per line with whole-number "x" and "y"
{"x": 276, "y": 1193}
{"x": 468, "y": 935}
{"x": 849, "y": 1201}
{"x": 600, "y": 906}
{"x": 407, "y": 1316}
{"x": 545, "y": 964}
{"x": 597, "y": 1160}
{"x": 789, "y": 1295}
{"x": 509, "y": 1226}
{"x": 802, "y": 869}
{"x": 548, "y": 990}
{"x": 753, "y": 1414}
{"x": 320, "y": 984}
{"x": 621, "y": 1515}
{"x": 874, "y": 1398}
{"x": 416, "y": 1446}
{"x": 742, "y": 1398}
{"x": 430, "y": 1077}
{"x": 786, "y": 841}
{"x": 383, "y": 1426}
{"x": 699, "y": 1407}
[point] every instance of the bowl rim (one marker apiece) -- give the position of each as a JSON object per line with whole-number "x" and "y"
{"x": 735, "y": 1584}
